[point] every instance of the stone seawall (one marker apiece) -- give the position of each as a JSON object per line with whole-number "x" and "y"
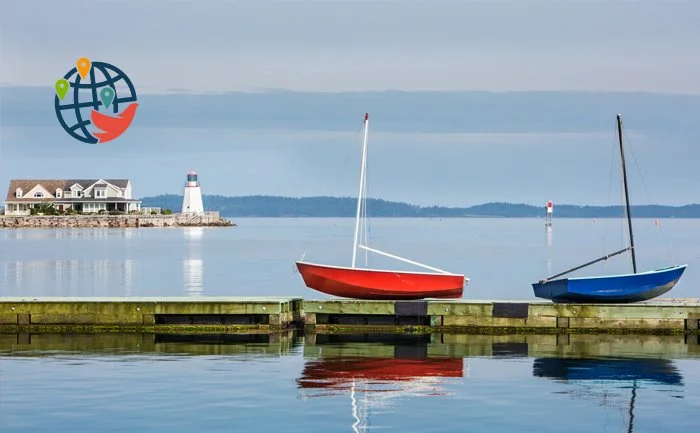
{"x": 87, "y": 221}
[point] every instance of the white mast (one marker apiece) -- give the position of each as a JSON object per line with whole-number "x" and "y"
{"x": 362, "y": 185}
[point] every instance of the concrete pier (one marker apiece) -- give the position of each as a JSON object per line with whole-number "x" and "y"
{"x": 266, "y": 314}
{"x": 661, "y": 317}
{"x": 142, "y": 314}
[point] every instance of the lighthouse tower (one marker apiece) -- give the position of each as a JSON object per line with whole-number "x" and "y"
{"x": 192, "y": 199}
{"x": 548, "y": 215}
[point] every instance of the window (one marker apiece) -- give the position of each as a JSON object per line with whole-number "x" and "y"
{"x": 78, "y": 193}
{"x": 100, "y": 193}
{"x": 18, "y": 192}
{"x": 39, "y": 194}
{"x": 59, "y": 192}
{"x": 94, "y": 207}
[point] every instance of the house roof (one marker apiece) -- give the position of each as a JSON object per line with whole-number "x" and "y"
{"x": 119, "y": 183}
{"x": 51, "y": 185}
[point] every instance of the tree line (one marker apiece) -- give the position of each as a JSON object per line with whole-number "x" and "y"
{"x": 325, "y": 206}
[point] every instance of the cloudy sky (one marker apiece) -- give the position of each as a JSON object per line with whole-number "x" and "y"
{"x": 338, "y": 46}
{"x": 335, "y": 45}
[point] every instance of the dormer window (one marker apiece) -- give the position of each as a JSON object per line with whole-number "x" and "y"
{"x": 78, "y": 193}
{"x": 100, "y": 193}
{"x": 59, "y": 192}
{"x": 18, "y": 192}
{"x": 38, "y": 194}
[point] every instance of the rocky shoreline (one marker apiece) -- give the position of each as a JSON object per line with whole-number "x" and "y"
{"x": 109, "y": 221}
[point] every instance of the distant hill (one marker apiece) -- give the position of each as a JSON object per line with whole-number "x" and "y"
{"x": 276, "y": 206}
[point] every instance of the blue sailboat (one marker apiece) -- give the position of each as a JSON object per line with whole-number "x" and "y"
{"x": 618, "y": 289}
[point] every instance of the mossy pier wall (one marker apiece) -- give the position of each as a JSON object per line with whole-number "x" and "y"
{"x": 261, "y": 314}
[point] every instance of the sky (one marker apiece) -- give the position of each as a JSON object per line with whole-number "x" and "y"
{"x": 337, "y": 46}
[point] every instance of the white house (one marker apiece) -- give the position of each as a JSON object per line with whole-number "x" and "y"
{"x": 82, "y": 195}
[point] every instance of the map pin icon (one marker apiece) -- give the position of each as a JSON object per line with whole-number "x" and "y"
{"x": 107, "y": 96}
{"x": 83, "y": 64}
{"x": 62, "y": 86}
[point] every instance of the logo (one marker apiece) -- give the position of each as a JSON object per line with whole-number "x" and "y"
{"x": 89, "y": 98}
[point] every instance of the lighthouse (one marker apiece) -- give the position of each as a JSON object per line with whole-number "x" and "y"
{"x": 192, "y": 199}
{"x": 548, "y": 215}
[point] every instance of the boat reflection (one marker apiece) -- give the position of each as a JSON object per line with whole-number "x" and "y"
{"x": 659, "y": 371}
{"x": 608, "y": 378}
{"x": 375, "y": 370}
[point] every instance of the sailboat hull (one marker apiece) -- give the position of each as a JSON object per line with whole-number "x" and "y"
{"x": 380, "y": 284}
{"x": 626, "y": 288}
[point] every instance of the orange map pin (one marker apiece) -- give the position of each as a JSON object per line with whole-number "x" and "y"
{"x": 84, "y": 66}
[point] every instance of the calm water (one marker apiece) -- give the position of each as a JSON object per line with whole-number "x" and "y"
{"x": 502, "y": 257}
{"x": 288, "y": 382}
{"x": 353, "y": 383}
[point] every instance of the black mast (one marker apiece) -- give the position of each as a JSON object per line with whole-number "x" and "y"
{"x": 627, "y": 197}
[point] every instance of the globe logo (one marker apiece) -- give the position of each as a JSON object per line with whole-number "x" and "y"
{"x": 89, "y": 98}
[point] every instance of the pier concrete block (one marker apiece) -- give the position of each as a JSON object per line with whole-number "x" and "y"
{"x": 8, "y": 319}
{"x": 515, "y": 310}
{"x": 602, "y": 323}
{"x": 471, "y": 308}
{"x": 562, "y": 322}
{"x": 310, "y": 318}
{"x": 349, "y": 306}
{"x": 693, "y": 321}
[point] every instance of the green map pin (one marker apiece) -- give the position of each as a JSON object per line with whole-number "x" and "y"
{"x": 62, "y": 86}
{"x": 107, "y": 96}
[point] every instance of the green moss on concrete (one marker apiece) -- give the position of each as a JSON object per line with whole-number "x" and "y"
{"x": 161, "y": 329}
{"x": 488, "y": 330}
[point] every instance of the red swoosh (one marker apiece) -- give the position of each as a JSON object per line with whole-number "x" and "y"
{"x": 113, "y": 127}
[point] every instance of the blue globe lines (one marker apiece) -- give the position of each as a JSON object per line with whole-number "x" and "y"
{"x": 90, "y": 96}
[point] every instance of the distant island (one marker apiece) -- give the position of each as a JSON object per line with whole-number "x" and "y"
{"x": 320, "y": 207}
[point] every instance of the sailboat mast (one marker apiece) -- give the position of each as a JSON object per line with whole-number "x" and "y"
{"x": 627, "y": 197}
{"x": 362, "y": 186}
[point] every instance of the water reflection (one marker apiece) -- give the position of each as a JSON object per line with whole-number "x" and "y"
{"x": 193, "y": 265}
{"x": 659, "y": 371}
{"x": 607, "y": 379}
{"x": 375, "y": 370}
{"x": 548, "y": 235}
{"x": 68, "y": 277}
{"x": 70, "y": 233}
{"x": 273, "y": 344}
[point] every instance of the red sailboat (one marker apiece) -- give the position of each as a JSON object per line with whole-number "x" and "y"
{"x": 364, "y": 283}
